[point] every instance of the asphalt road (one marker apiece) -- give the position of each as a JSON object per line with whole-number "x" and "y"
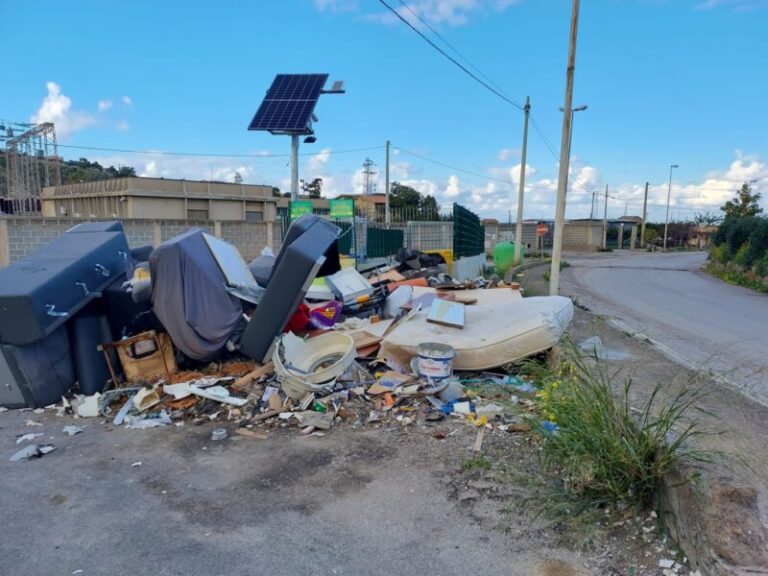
{"x": 710, "y": 325}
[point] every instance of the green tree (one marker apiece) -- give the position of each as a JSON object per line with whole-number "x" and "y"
{"x": 401, "y": 196}
{"x": 745, "y": 204}
{"x": 428, "y": 208}
{"x": 314, "y": 189}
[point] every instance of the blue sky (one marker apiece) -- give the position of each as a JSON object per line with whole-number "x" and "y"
{"x": 666, "y": 81}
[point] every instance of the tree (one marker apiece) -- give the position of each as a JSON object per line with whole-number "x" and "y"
{"x": 745, "y": 204}
{"x": 314, "y": 189}
{"x": 707, "y": 218}
{"x": 428, "y": 208}
{"x": 401, "y": 196}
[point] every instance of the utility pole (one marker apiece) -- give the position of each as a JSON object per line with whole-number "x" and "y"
{"x": 562, "y": 182}
{"x": 386, "y": 189}
{"x": 521, "y": 189}
{"x": 592, "y": 207}
{"x": 605, "y": 220}
{"x": 645, "y": 212}
{"x": 669, "y": 194}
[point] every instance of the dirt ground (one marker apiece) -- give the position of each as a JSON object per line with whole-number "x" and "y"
{"x": 362, "y": 499}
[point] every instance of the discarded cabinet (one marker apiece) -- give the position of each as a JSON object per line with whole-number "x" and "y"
{"x": 146, "y": 356}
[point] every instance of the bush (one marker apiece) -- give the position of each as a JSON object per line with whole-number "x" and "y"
{"x": 719, "y": 254}
{"x": 742, "y": 255}
{"x": 604, "y": 451}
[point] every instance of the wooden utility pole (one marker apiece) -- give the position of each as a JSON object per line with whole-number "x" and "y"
{"x": 521, "y": 189}
{"x": 562, "y": 182}
{"x": 605, "y": 220}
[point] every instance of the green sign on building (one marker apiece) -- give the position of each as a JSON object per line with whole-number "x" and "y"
{"x": 342, "y": 208}
{"x": 300, "y": 207}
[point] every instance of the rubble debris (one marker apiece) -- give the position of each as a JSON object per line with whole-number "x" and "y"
{"x": 30, "y": 436}
{"x": 219, "y": 394}
{"x": 33, "y": 423}
{"x": 254, "y": 374}
{"x": 72, "y": 430}
{"x": 315, "y": 419}
{"x": 219, "y": 434}
{"x": 32, "y": 451}
{"x": 155, "y": 421}
{"x": 145, "y": 399}
{"x": 87, "y": 406}
{"x": 251, "y": 434}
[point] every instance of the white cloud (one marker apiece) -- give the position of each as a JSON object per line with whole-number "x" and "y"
{"x": 104, "y": 105}
{"x": 506, "y": 154}
{"x": 439, "y": 12}
{"x": 128, "y": 101}
{"x": 123, "y": 126}
{"x": 56, "y": 107}
{"x": 735, "y": 5}
{"x": 335, "y": 5}
{"x": 452, "y": 189}
{"x": 318, "y": 161}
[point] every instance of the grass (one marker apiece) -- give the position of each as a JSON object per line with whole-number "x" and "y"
{"x": 477, "y": 463}
{"x": 563, "y": 264}
{"x": 605, "y": 453}
{"x": 737, "y": 278}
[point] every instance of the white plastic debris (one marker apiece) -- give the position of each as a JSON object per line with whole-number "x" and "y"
{"x": 666, "y": 563}
{"x": 3, "y": 409}
{"x": 490, "y": 411}
{"x": 219, "y": 394}
{"x": 145, "y": 399}
{"x": 33, "y": 423}
{"x": 134, "y": 423}
{"x": 87, "y": 406}
{"x": 178, "y": 391}
{"x": 30, "y": 436}
{"x": 72, "y": 430}
{"x": 38, "y": 410}
{"x": 136, "y": 464}
{"x": 32, "y": 451}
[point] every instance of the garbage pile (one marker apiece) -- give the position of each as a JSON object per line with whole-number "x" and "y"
{"x": 188, "y": 333}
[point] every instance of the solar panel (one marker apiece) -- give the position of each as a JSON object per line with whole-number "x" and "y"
{"x": 289, "y": 103}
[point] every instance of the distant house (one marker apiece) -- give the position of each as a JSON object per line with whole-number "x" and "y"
{"x": 701, "y": 236}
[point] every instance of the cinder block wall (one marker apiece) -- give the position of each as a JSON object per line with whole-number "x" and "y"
{"x": 20, "y": 236}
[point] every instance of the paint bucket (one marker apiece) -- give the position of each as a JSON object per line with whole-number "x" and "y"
{"x": 434, "y": 361}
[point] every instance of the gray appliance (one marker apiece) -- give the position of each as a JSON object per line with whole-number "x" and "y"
{"x": 41, "y": 292}
{"x": 37, "y": 374}
{"x": 306, "y": 251}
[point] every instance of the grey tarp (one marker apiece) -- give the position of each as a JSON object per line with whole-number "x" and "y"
{"x": 189, "y": 296}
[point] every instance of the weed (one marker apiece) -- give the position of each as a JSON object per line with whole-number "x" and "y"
{"x": 606, "y": 453}
{"x": 477, "y": 463}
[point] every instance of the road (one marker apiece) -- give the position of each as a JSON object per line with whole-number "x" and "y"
{"x": 706, "y": 323}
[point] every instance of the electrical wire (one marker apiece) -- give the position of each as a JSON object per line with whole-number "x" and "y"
{"x": 211, "y": 155}
{"x": 455, "y": 50}
{"x": 452, "y": 59}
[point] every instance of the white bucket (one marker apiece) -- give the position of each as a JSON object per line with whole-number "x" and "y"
{"x": 434, "y": 361}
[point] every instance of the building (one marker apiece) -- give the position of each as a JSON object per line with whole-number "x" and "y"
{"x": 139, "y": 198}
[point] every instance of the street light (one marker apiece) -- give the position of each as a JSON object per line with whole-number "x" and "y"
{"x": 669, "y": 193}
{"x": 570, "y": 136}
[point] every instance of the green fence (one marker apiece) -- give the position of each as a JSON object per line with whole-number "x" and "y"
{"x": 468, "y": 233}
{"x": 382, "y": 242}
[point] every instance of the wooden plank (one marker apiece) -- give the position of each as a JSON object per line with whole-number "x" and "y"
{"x": 479, "y": 440}
{"x": 265, "y": 370}
{"x": 251, "y": 434}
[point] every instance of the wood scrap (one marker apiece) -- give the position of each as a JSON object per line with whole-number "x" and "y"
{"x": 479, "y": 440}
{"x": 265, "y": 416}
{"x": 259, "y": 372}
{"x": 365, "y": 339}
{"x": 251, "y": 434}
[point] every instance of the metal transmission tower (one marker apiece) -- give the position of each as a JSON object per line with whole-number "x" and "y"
{"x": 32, "y": 160}
{"x": 369, "y": 186}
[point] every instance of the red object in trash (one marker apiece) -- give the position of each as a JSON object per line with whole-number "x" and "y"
{"x": 299, "y": 320}
{"x": 415, "y": 282}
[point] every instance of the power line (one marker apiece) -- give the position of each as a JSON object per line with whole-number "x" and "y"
{"x": 455, "y": 50}
{"x": 212, "y": 155}
{"x": 451, "y": 58}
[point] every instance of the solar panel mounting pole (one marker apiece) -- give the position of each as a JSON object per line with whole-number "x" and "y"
{"x": 294, "y": 167}
{"x": 562, "y": 182}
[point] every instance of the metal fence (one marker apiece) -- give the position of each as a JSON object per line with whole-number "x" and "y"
{"x": 468, "y": 233}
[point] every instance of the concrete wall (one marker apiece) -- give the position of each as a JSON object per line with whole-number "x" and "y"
{"x": 582, "y": 236}
{"x": 20, "y": 236}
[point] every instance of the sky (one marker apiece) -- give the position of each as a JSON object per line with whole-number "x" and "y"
{"x": 665, "y": 81}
